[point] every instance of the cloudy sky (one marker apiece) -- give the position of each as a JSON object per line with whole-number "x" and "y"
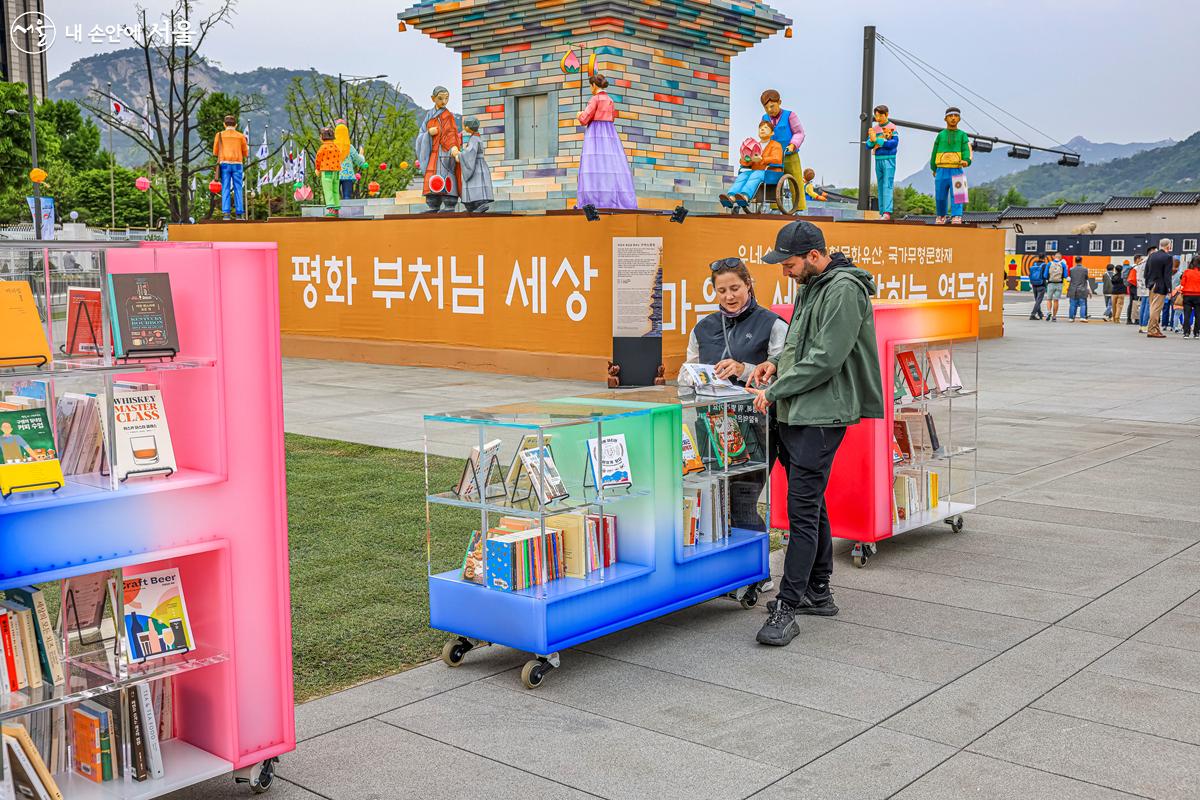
{"x": 1110, "y": 70}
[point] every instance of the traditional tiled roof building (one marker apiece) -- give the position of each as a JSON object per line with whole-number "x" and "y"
{"x": 668, "y": 66}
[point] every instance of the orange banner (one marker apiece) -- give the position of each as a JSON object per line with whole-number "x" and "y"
{"x": 384, "y": 290}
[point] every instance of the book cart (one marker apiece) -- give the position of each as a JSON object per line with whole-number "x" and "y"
{"x": 861, "y": 496}
{"x": 220, "y": 518}
{"x": 660, "y": 565}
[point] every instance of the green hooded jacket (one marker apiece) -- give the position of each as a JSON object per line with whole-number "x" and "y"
{"x": 828, "y": 370}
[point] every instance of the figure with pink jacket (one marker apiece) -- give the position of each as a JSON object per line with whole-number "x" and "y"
{"x": 605, "y": 180}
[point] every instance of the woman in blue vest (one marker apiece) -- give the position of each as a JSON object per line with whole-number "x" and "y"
{"x": 790, "y": 134}
{"x": 739, "y": 336}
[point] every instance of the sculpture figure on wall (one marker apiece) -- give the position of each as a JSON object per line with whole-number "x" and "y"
{"x": 438, "y": 143}
{"x": 756, "y": 161}
{"x": 605, "y": 180}
{"x": 477, "y": 192}
{"x": 951, "y": 155}
{"x": 352, "y": 162}
{"x": 328, "y": 162}
{"x": 883, "y": 140}
{"x": 811, "y": 190}
{"x": 788, "y": 131}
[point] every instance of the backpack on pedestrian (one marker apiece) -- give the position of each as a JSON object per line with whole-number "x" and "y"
{"x": 1055, "y": 273}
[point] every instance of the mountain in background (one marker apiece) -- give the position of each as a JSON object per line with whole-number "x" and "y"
{"x": 1174, "y": 168}
{"x": 127, "y": 73}
{"x": 991, "y": 166}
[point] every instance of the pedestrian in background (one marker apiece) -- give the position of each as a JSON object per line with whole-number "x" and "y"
{"x": 1117, "y": 280}
{"x": 1189, "y": 287}
{"x": 1131, "y": 278}
{"x": 1159, "y": 269}
{"x": 1107, "y": 289}
{"x": 1144, "y": 290}
{"x": 1056, "y": 272}
{"x": 1079, "y": 291}
{"x": 1037, "y": 282}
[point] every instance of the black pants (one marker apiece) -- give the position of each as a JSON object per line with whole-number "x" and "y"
{"x": 477, "y": 206}
{"x": 1039, "y": 293}
{"x": 806, "y": 453}
{"x": 1191, "y": 314}
{"x": 441, "y": 202}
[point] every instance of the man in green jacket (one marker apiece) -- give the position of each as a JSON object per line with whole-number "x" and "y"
{"x": 827, "y": 377}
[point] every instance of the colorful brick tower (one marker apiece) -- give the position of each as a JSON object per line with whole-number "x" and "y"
{"x": 667, "y": 63}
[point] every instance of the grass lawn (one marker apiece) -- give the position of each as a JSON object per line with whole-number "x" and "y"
{"x": 356, "y": 515}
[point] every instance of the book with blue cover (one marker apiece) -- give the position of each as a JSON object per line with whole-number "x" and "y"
{"x": 499, "y": 567}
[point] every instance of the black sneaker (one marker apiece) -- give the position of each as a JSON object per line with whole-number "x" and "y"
{"x": 780, "y": 627}
{"x": 817, "y": 607}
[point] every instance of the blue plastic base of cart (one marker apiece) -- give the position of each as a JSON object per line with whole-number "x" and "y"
{"x": 561, "y": 614}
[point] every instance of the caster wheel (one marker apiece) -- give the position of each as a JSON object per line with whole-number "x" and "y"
{"x": 454, "y": 651}
{"x": 266, "y": 777}
{"x": 956, "y": 524}
{"x": 860, "y": 561}
{"x": 750, "y": 598}
{"x": 533, "y": 673}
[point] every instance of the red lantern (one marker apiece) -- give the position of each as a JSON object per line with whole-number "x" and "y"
{"x": 383, "y": 167}
{"x": 142, "y": 183}
{"x": 215, "y": 187}
{"x": 358, "y": 176}
{"x": 373, "y": 188}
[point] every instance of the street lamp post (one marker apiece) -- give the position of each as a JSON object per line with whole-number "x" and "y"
{"x": 33, "y": 154}
{"x": 342, "y": 81}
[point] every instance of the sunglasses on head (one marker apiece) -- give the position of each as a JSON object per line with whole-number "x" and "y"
{"x": 725, "y": 263}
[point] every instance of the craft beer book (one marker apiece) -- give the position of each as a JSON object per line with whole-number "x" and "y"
{"x": 143, "y": 314}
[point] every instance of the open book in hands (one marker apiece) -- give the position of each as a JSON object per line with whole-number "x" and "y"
{"x": 702, "y": 378}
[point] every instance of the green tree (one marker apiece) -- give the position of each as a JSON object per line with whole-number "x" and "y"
{"x": 981, "y": 198}
{"x": 79, "y": 137}
{"x": 1012, "y": 198}
{"x": 88, "y": 193}
{"x": 16, "y": 155}
{"x": 382, "y": 131}
{"x": 1147, "y": 192}
{"x": 908, "y": 201}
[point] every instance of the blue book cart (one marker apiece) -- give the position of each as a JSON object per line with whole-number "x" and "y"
{"x": 661, "y": 566}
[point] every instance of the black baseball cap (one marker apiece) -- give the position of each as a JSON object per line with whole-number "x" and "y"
{"x": 796, "y": 239}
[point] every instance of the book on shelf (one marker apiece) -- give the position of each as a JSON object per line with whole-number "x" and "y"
{"x": 85, "y": 599}
{"x": 20, "y": 623}
{"x": 945, "y": 375}
{"x": 543, "y": 474}
{"x": 50, "y": 658}
{"x": 707, "y": 508}
{"x": 149, "y": 719}
{"x": 522, "y": 559}
{"x": 156, "y": 618}
{"x": 703, "y": 379}
{"x": 28, "y": 457}
{"x": 608, "y": 462}
{"x": 474, "y": 560}
{"x": 902, "y": 448}
{"x": 900, "y": 392}
{"x": 143, "y": 437}
{"x": 483, "y": 462}
{"x": 91, "y": 737}
{"x": 17, "y": 738}
{"x": 143, "y": 314}
{"x": 22, "y": 394}
{"x": 84, "y": 334}
{"x": 82, "y": 432}
{"x": 912, "y": 373}
{"x": 914, "y": 491}
{"x": 690, "y": 516}
{"x": 725, "y": 437}
{"x": 12, "y": 651}
{"x": 601, "y": 541}
{"x": 111, "y": 702}
{"x": 22, "y": 334}
{"x": 692, "y": 461}
{"x": 922, "y": 430}
{"x": 517, "y": 476}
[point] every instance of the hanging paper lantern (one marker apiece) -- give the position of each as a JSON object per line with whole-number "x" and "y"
{"x": 296, "y": 195}
{"x": 372, "y": 188}
{"x": 303, "y": 193}
{"x": 383, "y": 167}
{"x": 590, "y": 69}
{"x": 37, "y": 175}
{"x": 142, "y": 183}
{"x": 569, "y": 63}
{"x": 358, "y": 176}
{"x": 215, "y": 187}
{"x": 403, "y": 165}
{"x": 787, "y": 32}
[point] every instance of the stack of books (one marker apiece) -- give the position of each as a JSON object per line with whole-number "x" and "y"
{"x": 519, "y": 553}
{"x": 522, "y": 559}
{"x": 914, "y": 491}
{"x": 705, "y": 518}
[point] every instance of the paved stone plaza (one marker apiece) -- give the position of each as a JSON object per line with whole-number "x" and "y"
{"x": 1051, "y": 650}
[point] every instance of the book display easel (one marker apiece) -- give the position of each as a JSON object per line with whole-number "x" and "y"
{"x": 593, "y": 525}
{"x": 918, "y": 465}
{"x": 160, "y": 655}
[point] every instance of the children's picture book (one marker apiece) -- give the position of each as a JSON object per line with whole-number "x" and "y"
{"x": 608, "y": 461}
{"x": 22, "y": 333}
{"x": 900, "y": 393}
{"x": 143, "y": 314}
{"x": 912, "y": 373}
{"x": 703, "y": 378}
{"x": 516, "y": 475}
{"x": 84, "y": 333}
{"x": 28, "y": 457}
{"x": 143, "y": 441}
{"x": 945, "y": 376}
{"x": 544, "y": 475}
{"x": 156, "y": 618}
{"x": 485, "y": 462}
{"x": 725, "y": 435}
{"x": 692, "y": 462}
{"x": 473, "y": 564}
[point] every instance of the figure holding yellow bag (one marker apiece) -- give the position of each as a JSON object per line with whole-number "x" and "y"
{"x": 951, "y": 155}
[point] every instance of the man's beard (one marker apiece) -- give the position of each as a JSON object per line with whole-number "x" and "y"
{"x": 807, "y": 274}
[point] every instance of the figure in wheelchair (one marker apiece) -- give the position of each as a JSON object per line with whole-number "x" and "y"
{"x": 762, "y": 180}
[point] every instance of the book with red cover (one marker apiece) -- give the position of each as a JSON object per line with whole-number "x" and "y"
{"x": 84, "y": 335}
{"x": 912, "y": 373}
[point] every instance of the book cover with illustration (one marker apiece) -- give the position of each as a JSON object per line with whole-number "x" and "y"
{"x": 544, "y": 475}
{"x": 608, "y": 461}
{"x": 28, "y": 457}
{"x": 84, "y": 334}
{"x": 912, "y": 373}
{"x": 22, "y": 334}
{"x": 143, "y": 314}
{"x": 143, "y": 443}
{"x": 725, "y": 435}
{"x": 156, "y": 618}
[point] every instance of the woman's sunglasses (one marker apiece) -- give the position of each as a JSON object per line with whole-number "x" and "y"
{"x": 725, "y": 263}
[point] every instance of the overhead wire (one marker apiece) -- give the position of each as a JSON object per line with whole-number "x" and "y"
{"x": 930, "y": 68}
